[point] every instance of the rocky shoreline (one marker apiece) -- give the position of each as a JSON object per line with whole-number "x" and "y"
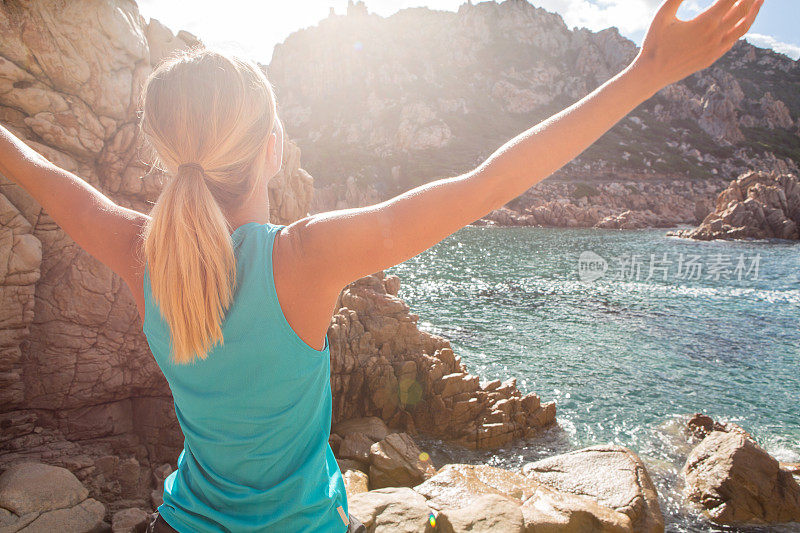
{"x": 757, "y": 205}
{"x": 393, "y": 485}
{"x": 612, "y": 205}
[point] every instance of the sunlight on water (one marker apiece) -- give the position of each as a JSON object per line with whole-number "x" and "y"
{"x": 626, "y": 358}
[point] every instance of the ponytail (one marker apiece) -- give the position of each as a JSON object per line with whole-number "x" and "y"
{"x": 201, "y": 108}
{"x": 188, "y": 247}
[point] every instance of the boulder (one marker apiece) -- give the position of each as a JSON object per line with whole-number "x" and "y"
{"x": 355, "y": 481}
{"x": 371, "y": 426}
{"x": 392, "y": 510}
{"x": 37, "y": 497}
{"x": 350, "y": 464}
{"x": 737, "y": 482}
{"x": 131, "y": 520}
{"x": 355, "y": 446}
{"x": 700, "y": 426}
{"x": 86, "y": 517}
{"x": 612, "y": 475}
{"x": 37, "y": 487}
{"x": 757, "y": 205}
{"x": 397, "y": 461}
{"x": 456, "y": 486}
{"x": 548, "y": 510}
{"x": 490, "y": 513}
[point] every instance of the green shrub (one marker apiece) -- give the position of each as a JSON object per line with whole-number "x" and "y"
{"x": 584, "y": 189}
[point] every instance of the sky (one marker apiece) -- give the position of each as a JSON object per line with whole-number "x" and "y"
{"x": 252, "y": 28}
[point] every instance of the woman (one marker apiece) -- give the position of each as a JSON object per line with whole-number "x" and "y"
{"x": 237, "y": 320}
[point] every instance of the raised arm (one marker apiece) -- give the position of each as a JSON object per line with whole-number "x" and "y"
{"x": 341, "y": 246}
{"x": 104, "y": 229}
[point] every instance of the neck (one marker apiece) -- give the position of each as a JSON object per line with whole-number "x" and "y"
{"x": 256, "y": 209}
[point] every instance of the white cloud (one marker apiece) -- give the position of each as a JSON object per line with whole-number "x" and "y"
{"x": 630, "y": 16}
{"x": 253, "y": 28}
{"x": 768, "y": 41}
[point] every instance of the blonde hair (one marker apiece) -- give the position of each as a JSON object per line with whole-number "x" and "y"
{"x": 206, "y": 118}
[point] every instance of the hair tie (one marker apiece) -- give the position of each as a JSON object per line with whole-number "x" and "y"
{"x": 195, "y": 166}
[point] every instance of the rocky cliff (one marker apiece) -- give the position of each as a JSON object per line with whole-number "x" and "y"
{"x": 393, "y": 102}
{"x": 78, "y": 385}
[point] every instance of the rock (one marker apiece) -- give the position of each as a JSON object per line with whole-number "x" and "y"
{"x": 701, "y": 426}
{"x": 371, "y": 426}
{"x": 631, "y": 220}
{"x": 131, "y": 520}
{"x": 391, "y": 509}
{"x": 736, "y": 482}
{"x": 614, "y": 205}
{"x": 44, "y": 498}
{"x": 335, "y": 441}
{"x": 350, "y": 464}
{"x": 612, "y": 475}
{"x": 160, "y": 473}
{"x": 551, "y": 511}
{"x": 490, "y": 513}
{"x": 355, "y": 481}
{"x": 757, "y": 205}
{"x": 456, "y": 485}
{"x": 355, "y": 446}
{"x": 397, "y": 461}
{"x": 792, "y": 468}
{"x": 87, "y": 517}
{"x": 384, "y": 367}
{"x": 36, "y": 487}
{"x": 543, "y": 508}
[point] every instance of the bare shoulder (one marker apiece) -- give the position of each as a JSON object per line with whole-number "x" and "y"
{"x": 306, "y": 300}
{"x": 132, "y": 271}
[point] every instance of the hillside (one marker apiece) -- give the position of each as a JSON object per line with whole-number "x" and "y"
{"x": 393, "y": 102}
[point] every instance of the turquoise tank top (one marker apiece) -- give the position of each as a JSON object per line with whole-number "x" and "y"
{"x": 255, "y": 414}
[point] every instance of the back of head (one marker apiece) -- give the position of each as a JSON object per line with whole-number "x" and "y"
{"x": 207, "y": 118}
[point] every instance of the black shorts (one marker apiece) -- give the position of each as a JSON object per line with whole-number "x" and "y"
{"x": 157, "y": 524}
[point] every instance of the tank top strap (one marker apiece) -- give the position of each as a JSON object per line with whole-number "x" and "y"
{"x": 268, "y": 255}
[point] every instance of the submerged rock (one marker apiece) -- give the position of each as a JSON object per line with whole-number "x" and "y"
{"x": 701, "y": 426}
{"x": 737, "y": 482}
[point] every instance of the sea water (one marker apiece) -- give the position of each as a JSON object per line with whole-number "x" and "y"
{"x": 628, "y": 331}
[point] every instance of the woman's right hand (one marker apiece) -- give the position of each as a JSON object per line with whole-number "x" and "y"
{"x": 674, "y": 49}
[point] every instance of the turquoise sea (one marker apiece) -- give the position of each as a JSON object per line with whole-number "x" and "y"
{"x": 669, "y": 327}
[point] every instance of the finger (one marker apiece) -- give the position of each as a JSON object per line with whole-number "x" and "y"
{"x": 737, "y": 12}
{"x": 740, "y": 29}
{"x": 719, "y": 8}
{"x": 714, "y": 14}
{"x": 670, "y": 8}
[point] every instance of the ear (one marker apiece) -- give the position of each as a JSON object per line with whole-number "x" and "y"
{"x": 278, "y": 134}
{"x": 275, "y": 148}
